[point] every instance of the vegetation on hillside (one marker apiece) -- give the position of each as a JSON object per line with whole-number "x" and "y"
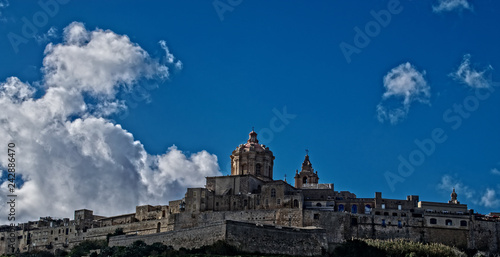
{"x": 354, "y": 248}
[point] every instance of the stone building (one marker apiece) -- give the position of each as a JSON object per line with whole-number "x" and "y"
{"x": 249, "y": 202}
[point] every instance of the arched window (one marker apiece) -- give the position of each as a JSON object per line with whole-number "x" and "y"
{"x": 304, "y": 180}
{"x": 354, "y": 209}
{"x": 341, "y": 208}
{"x": 449, "y": 223}
{"x": 433, "y": 221}
{"x": 463, "y": 223}
{"x": 319, "y": 205}
{"x": 368, "y": 209}
{"x": 158, "y": 227}
{"x": 296, "y": 203}
{"x": 257, "y": 169}
{"x": 273, "y": 192}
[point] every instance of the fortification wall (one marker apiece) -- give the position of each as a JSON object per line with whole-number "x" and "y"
{"x": 245, "y": 236}
{"x": 188, "y": 238}
{"x": 276, "y": 239}
{"x": 484, "y": 235}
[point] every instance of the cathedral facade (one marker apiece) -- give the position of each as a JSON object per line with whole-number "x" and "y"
{"x": 250, "y": 201}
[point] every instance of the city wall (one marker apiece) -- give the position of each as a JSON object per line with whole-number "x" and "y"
{"x": 248, "y": 237}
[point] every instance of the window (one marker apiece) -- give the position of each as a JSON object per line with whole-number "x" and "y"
{"x": 394, "y": 214}
{"x": 278, "y": 201}
{"x": 354, "y": 222}
{"x": 386, "y": 214}
{"x": 449, "y": 223}
{"x": 319, "y": 205}
{"x": 463, "y": 223}
{"x": 377, "y": 213}
{"x": 245, "y": 202}
{"x": 304, "y": 180}
{"x": 257, "y": 169}
{"x": 433, "y": 221}
{"x": 354, "y": 209}
{"x": 368, "y": 209}
{"x": 295, "y": 203}
{"x": 194, "y": 194}
{"x": 399, "y": 206}
{"x": 399, "y": 224}
{"x": 267, "y": 202}
{"x": 383, "y": 223}
{"x": 383, "y": 206}
{"x": 316, "y": 216}
{"x": 273, "y": 192}
{"x": 341, "y": 208}
{"x": 216, "y": 203}
{"x": 258, "y": 201}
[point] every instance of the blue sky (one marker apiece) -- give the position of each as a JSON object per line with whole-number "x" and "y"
{"x": 418, "y": 71}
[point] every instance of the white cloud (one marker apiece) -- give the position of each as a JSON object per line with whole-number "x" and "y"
{"x": 404, "y": 85}
{"x": 3, "y": 4}
{"x": 68, "y": 153}
{"x": 489, "y": 199}
{"x": 15, "y": 90}
{"x": 495, "y": 171}
{"x": 170, "y": 57}
{"x": 98, "y": 62}
{"x": 49, "y": 35}
{"x": 451, "y": 5}
{"x": 448, "y": 183}
{"x": 467, "y": 75}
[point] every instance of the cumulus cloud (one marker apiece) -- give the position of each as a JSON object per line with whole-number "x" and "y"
{"x": 489, "y": 198}
{"x": 98, "y": 62}
{"x": 467, "y": 75}
{"x": 495, "y": 171}
{"x": 70, "y": 155}
{"x": 404, "y": 85}
{"x": 451, "y": 5}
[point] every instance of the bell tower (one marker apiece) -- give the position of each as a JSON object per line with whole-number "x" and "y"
{"x": 253, "y": 158}
{"x": 306, "y": 175}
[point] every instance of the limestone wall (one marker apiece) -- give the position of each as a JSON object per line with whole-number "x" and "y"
{"x": 245, "y": 236}
{"x": 275, "y": 239}
{"x": 187, "y": 238}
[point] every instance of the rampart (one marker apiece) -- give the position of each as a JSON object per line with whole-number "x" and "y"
{"x": 249, "y": 237}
